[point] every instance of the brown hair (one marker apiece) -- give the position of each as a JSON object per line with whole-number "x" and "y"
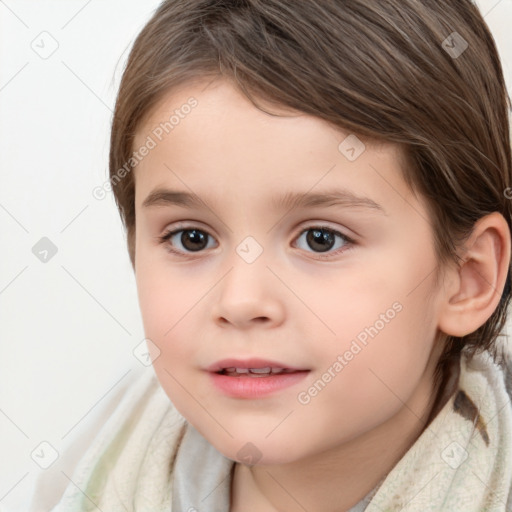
{"x": 425, "y": 75}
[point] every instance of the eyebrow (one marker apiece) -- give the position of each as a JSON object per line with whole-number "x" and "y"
{"x": 332, "y": 197}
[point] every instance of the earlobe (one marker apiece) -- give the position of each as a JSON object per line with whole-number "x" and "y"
{"x": 477, "y": 284}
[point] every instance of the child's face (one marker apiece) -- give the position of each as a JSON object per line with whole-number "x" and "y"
{"x": 362, "y": 319}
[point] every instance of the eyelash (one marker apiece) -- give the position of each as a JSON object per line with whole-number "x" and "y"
{"x": 349, "y": 242}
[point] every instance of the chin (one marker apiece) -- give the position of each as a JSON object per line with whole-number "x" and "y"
{"x": 253, "y": 451}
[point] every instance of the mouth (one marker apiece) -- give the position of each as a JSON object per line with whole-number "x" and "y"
{"x": 255, "y": 372}
{"x": 254, "y": 378}
{"x": 253, "y": 367}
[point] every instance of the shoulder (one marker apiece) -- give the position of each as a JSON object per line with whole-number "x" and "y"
{"x": 50, "y": 484}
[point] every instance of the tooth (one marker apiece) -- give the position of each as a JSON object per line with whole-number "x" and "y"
{"x": 242, "y": 370}
{"x": 260, "y": 370}
{"x": 277, "y": 370}
{"x": 232, "y": 369}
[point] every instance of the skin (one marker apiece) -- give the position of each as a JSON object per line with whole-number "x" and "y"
{"x": 292, "y": 306}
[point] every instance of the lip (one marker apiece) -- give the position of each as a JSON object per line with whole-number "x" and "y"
{"x": 253, "y": 362}
{"x": 244, "y": 386}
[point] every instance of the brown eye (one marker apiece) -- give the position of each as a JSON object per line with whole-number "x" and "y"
{"x": 320, "y": 239}
{"x": 323, "y": 240}
{"x": 190, "y": 240}
{"x": 193, "y": 239}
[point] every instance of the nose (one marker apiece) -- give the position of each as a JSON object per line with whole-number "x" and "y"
{"x": 249, "y": 295}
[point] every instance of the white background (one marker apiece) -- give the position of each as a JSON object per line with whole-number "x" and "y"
{"x": 68, "y": 327}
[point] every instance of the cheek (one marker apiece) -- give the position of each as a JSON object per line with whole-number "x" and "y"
{"x": 164, "y": 297}
{"x": 171, "y": 309}
{"x": 374, "y": 384}
{"x": 384, "y": 326}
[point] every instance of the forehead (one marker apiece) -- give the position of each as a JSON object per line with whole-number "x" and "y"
{"x": 217, "y": 103}
{"x": 209, "y": 137}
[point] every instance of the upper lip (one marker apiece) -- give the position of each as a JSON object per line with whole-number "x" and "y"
{"x": 252, "y": 362}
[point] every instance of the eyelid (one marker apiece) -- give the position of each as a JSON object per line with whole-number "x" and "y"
{"x": 185, "y": 225}
{"x": 326, "y": 225}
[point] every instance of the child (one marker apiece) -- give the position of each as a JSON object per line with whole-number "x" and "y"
{"x": 333, "y": 342}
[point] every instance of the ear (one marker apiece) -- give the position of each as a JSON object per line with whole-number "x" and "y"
{"x": 473, "y": 290}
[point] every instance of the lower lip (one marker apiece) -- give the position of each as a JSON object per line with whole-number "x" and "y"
{"x": 255, "y": 387}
